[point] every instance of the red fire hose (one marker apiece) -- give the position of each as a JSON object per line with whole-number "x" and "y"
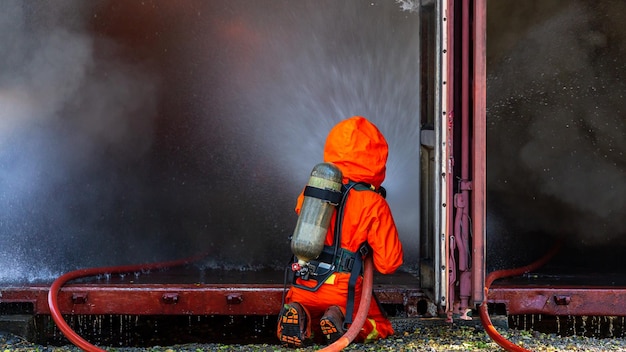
{"x": 72, "y": 336}
{"x": 484, "y": 315}
{"x": 361, "y": 315}
{"x": 63, "y": 279}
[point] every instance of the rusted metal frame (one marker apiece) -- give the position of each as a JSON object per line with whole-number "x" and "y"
{"x": 151, "y": 299}
{"x": 155, "y": 299}
{"x": 458, "y": 223}
{"x": 461, "y": 233}
{"x": 179, "y": 299}
{"x": 479, "y": 149}
{"x": 576, "y": 301}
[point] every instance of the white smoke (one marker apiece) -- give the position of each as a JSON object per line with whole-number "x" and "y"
{"x": 67, "y": 101}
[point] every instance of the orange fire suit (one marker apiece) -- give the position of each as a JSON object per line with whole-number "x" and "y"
{"x": 360, "y": 151}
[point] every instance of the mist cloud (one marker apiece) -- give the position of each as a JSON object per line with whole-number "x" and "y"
{"x": 67, "y": 103}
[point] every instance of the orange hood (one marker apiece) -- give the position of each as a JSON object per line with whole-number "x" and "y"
{"x": 358, "y": 148}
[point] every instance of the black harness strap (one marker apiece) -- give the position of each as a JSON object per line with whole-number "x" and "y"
{"x": 333, "y": 197}
{"x": 356, "y": 272}
{"x": 362, "y": 253}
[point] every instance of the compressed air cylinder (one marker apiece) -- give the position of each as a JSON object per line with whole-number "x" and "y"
{"x": 321, "y": 196}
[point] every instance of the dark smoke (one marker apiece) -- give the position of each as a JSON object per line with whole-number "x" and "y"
{"x": 556, "y": 119}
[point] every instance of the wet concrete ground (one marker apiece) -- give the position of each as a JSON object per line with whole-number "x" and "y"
{"x": 411, "y": 335}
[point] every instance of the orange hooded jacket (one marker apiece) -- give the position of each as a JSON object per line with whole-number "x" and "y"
{"x": 360, "y": 151}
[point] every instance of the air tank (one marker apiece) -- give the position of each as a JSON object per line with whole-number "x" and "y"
{"x": 321, "y": 196}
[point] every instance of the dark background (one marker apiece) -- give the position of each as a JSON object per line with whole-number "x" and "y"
{"x": 556, "y": 138}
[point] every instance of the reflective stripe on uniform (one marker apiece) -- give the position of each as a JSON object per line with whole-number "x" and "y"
{"x": 373, "y": 335}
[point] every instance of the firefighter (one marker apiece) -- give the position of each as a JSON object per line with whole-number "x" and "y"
{"x": 359, "y": 150}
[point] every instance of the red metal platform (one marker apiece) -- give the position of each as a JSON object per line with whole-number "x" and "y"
{"x": 580, "y": 294}
{"x": 182, "y": 291}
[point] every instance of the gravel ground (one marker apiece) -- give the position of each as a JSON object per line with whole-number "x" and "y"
{"x": 411, "y": 336}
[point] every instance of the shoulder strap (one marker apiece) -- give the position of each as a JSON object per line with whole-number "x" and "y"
{"x": 363, "y": 250}
{"x": 362, "y": 186}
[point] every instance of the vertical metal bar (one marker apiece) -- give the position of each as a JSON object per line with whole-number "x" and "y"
{"x": 441, "y": 156}
{"x": 461, "y": 201}
{"x": 479, "y": 170}
{"x": 448, "y": 117}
